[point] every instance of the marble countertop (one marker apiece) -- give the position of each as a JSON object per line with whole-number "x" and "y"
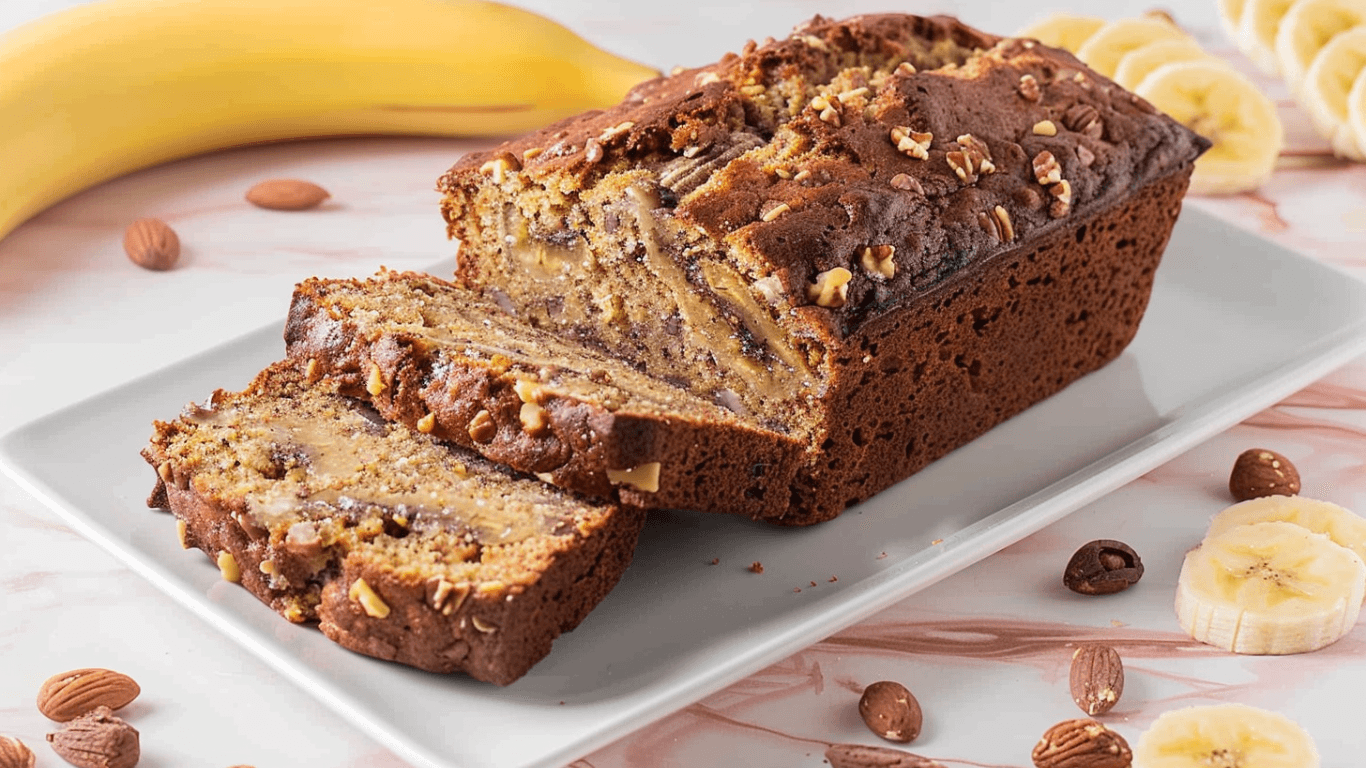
{"x": 986, "y": 651}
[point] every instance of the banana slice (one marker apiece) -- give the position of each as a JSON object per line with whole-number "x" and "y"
{"x": 1230, "y": 12}
{"x": 1103, "y": 50}
{"x": 1063, "y": 30}
{"x": 1269, "y": 588}
{"x": 1337, "y": 523}
{"x": 1257, "y": 27}
{"x": 1221, "y": 104}
{"x": 1323, "y": 94}
{"x": 1356, "y": 109}
{"x": 1225, "y": 735}
{"x": 1306, "y": 28}
{"x": 1140, "y": 62}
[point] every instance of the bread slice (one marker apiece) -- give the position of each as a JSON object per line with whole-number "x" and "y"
{"x": 879, "y": 236}
{"x": 399, "y": 546}
{"x": 442, "y": 360}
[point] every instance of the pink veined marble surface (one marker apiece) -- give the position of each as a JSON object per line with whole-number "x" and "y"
{"x": 985, "y": 651}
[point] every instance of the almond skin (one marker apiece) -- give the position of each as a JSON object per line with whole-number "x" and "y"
{"x": 70, "y": 695}
{"x": 98, "y": 739}
{"x": 152, "y": 244}
{"x": 1259, "y": 472}
{"x": 1096, "y": 679}
{"x": 286, "y": 195}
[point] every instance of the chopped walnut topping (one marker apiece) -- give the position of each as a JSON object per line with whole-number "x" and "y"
{"x": 830, "y": 115}
{"x": 771, "y": 288}
{"x": 481, "y": 428}
{"x": 831, "y": 288}
{"x": 500, "y": 166}
{"x": 528, "y": 391}
{"x": 692, "y": 151}
{"x": 427, "y": 423}
{"x": 904, "y": 69}
{"x": 445, "y": 596}
{"x": 1046, "y": 168}
{"x": 592, "y": 151}
{"x": 369, "y": 600}
{"x": 1084, "y": 119}
{"x": 908, "y": 183}
{"x": 1029, "y": 88}
{"x": 782, "y": 173}
{"x": 312, "y": 372}
{"x": 773, "y": 210}
{"x": 164, "y": 472}
{"x": 1062, "y": 203}
{"x": 815, "y": 42}
{"x": 374, "y": 384}
{"x": 535, "y": 419}
{"x": 677, "y": 69}
{"x": 756, "y": 567}
{"x": 961, "y": 164}
{"x": 707, "y": 78}
{"x": 182, "y": 532}
{"x": 533, "y": 152}
{"x": 877, "y": 260}
{"x": 853, "y": 93}
{"x": 912, "y": 143}
{"x": 1085, "y": 155}
{"x": 977, "y": 152}
{"x": 227, "y": 567}
{"x": 802, "y": 175}
{"x": 1045, "y": 128}
{"x": 486, "y": 627}
{"x": 1003, "y": 219}
{"x": 750, "y": 47}
{"x": 753, "y": 90}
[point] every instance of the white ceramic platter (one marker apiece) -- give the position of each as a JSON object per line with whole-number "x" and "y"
{"x": 1235, "y": 324}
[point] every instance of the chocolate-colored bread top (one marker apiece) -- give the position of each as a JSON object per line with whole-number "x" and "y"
{"x": 400, "y": 547}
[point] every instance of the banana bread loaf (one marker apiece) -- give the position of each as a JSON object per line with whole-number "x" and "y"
{"x": 398, "y": 546}
{"x": 879, "y": 236}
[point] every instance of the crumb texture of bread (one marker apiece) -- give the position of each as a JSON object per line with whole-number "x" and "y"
{"x": 878, "y": 236}
{"x": 399, "y": 546}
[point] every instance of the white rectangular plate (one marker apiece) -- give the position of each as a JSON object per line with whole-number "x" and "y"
{"x": 1235, "y": 324}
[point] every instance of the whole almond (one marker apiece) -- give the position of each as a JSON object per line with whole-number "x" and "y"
{"x": 69, "y": 695}
{"x": 890, "y": 711}
{"x": 286, "y": 195}
{"x": 1097, "y": 678}
{"x": 99, "y": 739}
{"x": 14, "y": 753}
{"x": 860, "y": 756}
{"x": 1259, "y": 472}
{"x": 151, "y": 244}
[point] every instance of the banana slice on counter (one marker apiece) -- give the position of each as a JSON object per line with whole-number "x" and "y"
{"x": 1307, "y": 28}
{"x": 1104, "y": 49}
{"x": 1140, "y": 62}
{"x": 1219, "y": 103}
{"x": 1323, "y": 94}
{"x": 1356, "y": 109}
{"x": 1225, "y": 735}
{"x": 1257, "y": 27}
{"x": 1269, "y": 588}
{"x": 1340, "y": 524}
{"x": 1063, "y": 30}
{"x": 1230, "y": 13}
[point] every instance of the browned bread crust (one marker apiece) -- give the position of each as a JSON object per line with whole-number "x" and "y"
{"x": 887, "y": 233}
{"x": 392, "y": 542}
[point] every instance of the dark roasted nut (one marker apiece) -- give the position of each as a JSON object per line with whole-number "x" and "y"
{"x": 1084, "y": 119}
{"x": 860, "y": 756}
{"x": 1103, "y": 567}
{"x": 1259, "y": 472}
{"x": 97, "y": 740}
{"x": 1096, "y": 678}
{"x": 890, "y": 711}
{"x": 1081, "y": 744}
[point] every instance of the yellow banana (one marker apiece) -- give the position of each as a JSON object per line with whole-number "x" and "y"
{"x": 108, "y": 87}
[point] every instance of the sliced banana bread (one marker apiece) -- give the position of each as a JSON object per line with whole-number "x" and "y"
{"x": 399, "y": 546}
